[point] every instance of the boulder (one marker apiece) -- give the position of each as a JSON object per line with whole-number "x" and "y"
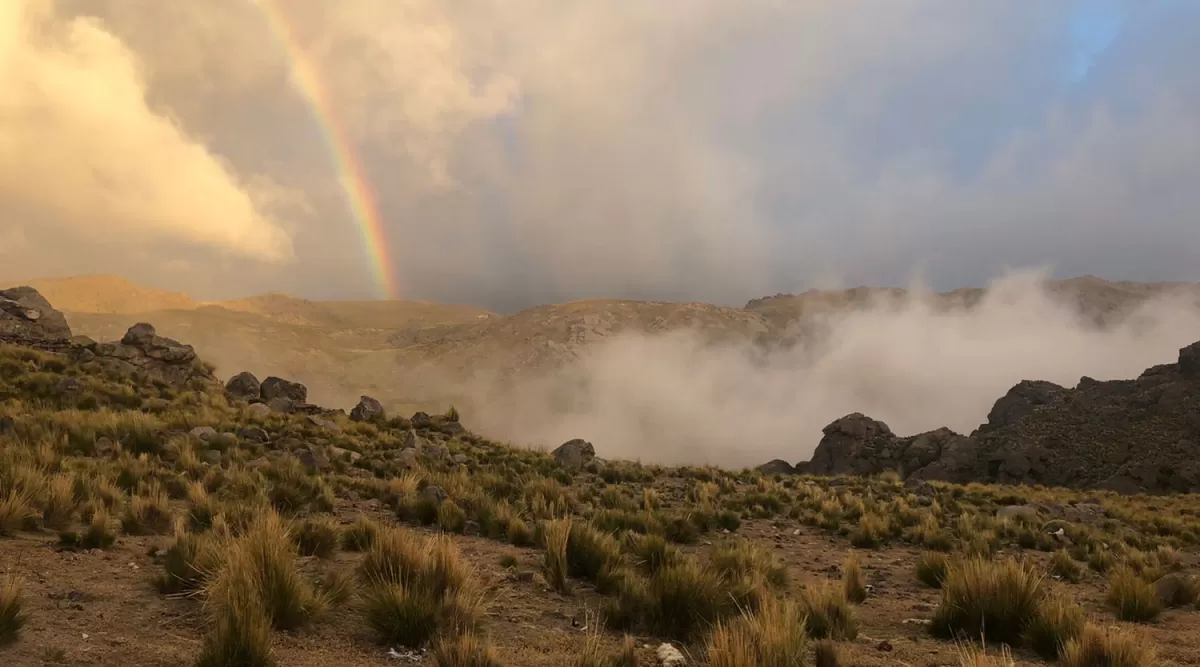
{"x": 776, "y": 467}
{"x": 855, "y": 444}
{"x": 259, "y": 410}
{"x": 274, "y": 388}
{"x": 410, "y": 440}
{"x": 244, "y": 386}
{"x": 142, "y": 350}
{"x": 1174, "y": 589}
{"x": 253, "y": 434}
{"x": 204, "y": 433}
{"x": 368, "y": 410}
{"x": 574, "y": 454}
{"x": 1013, "y": 512}
{"x": 421, "y": 420}
{"x": 408, "y": 458}
{"x": 26, "y": 316}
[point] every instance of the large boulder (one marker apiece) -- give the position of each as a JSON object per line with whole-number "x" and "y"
{"x": 142, "y": 350}
{"x": 574, "y": 454}
{"x": 283, "y": 396}
{"x": 776, "y": 467}
{"x": 855, "y": 444}
{"x": 26, "y": 316}
{"x": 368, "y": 410}
{"x": 244, "y": 386}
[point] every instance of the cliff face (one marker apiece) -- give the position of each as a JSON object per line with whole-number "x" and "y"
{"x": 1125, "y": 435}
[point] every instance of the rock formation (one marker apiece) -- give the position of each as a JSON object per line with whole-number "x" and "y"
{"x": 26, "y": 316}
{"x": 1140, "y": 435}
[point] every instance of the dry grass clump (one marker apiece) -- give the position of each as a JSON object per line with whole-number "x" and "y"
{"x": 681, "y": 600}
{"x": 192, "y": 560}
{"x": 555, "y": 567}
{"x": 1058, "y": 621}
{"x": 1131, "y": 597}
{"x": 98, "y": 534}
{"x": 829, "y": 613}
{"x": 361, "y": 535}
{"x": 826, "y": 653}
{"x": 592, "y": 554}
{"x": 931, "y": 568}
{"x": 16, "y": 510}
{"x": 1096, "y": 647}
{"x": 651, "y": 553}
{"x": 465, "y": 650}
{"x": 872, "y": 531}
{"x": 774, "y": 635}
{"x": 317, "y": 536}
{"x": 853, "y": 582}
{"x": 594, "y": 654}
{"x": 1063, "y": 566}
{"x": 980, "y": 596}
{"x": 12, "y": 618}
{"x": 240, "y": 627}
{"x": 742, "y": 558}
{"x": 972, "y": 655}
{"x": 147, "y": 514}
{"x": 59, "y": 502}
{"x": 414, "y": 590}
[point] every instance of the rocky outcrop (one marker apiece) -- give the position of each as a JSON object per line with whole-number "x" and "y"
{"x": 26, "y": 316}
{"x": 142, "y": 350}
{"x": 244, "y": 386}
{"x": 1130, "y": 436}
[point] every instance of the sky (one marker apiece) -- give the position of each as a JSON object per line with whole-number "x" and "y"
{"x": 513, "y": 152}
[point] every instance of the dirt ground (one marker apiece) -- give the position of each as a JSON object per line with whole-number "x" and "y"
{"x": 101, "y": 608}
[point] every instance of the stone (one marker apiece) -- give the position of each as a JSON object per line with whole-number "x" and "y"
{"x": 453, "y": 429}
{"x": 596, "y": 466}
{"x": 368, "y": 410}
{"x": 408, "y": 458}
{"x": 436, "y": 452}
{"x": 669, "y": 656}
{"x": 274, "y": 387}
{"x": 324, "y": 423}
{"x": 345, "y": 454}
{"x": 1172, "y": 589}
{"x": 312, "y": 458}
{"x": 421, "y": 420}
{"x": 259, "y": 410}
{"x": 776, "y": 467}
{"x": 574, "y": 454}
{"x": 253, "y": 434}
{"x": 410, "y": 439}
{"x": 244, "y": 386}
{"x": 204, "y": 433}
{"x": 281, "y": 404}
{"x": 211, "y": 456}
{"x": 459, "y": 458}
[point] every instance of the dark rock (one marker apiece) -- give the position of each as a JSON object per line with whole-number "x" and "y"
{"x": 324, "y": 423}
{"x": 1173, "y": 589}
{"x": 436, "y": 452}
{"x": 281, "y": 404}
{"x": 1189, "y": 360}
{"x": 854, "y": 445}
{"x": 453, "y": 429}
{"x": 7, "y": 425}
{"x": 26, "y": 315}
{"x": 312, "y": 458}
{"x": 143, "y": 351}
{"x": 410, "y": 439}
{"x": 277, "y": 388}
{"x": 253, "y": 434}
{"x": 596, "y": 466}
{"x": 421, "y": 420}
{"x": 368, "y": 410}
{"x": 408, "y": 458}
{"x": 259, "y": 410}
{"x": 574, "y": 454}
{"x": 776, "y": 467}
{"x": 244, "y": 386}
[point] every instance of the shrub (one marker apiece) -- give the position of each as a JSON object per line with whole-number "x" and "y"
{"x": 12, "y": 618}
{"x": 931, "y": 568}
{"x": 853, "y": 582}
{"x": 1095, "y": 647}
{"x": 829, "y": 612}
{"x": 15, "y": 511}
{"x": 679, "y": 601}
{"x": 147, "y": 514}
{"x": 872, "y": 532}
{"x": 97, "y": 535}
{"x": 739, "y": 559}
{"x": 772, "y": 636}
{"x": 59, "y": 502}
{"x": 1058, "y": 621}
{"x": 1132, "y": 598}
{"x": 979, "y": 596}
{"x": 591, "y": 554}
{"x": 264, "y": 559}
{"x": 651, "y": 552}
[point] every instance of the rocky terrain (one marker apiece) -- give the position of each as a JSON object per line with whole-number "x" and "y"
{"x": 1130, "y": 436}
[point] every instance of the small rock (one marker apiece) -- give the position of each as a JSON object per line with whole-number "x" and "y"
{"x": 1172, "y": 589}
{"x": 421, "y": 420}
{"x": 453, "y": 429}
{"x": 408, "y": 458}
{"x": 367, "y": 410}
{"x": 1017, "y": 511}
{"x": 104, "y": 446}
{"x": 436, "y": 452}
{"x": 459, "y": 458}
{"x": 884, "y": 646}
{"x": 204, "y": 433}
{"x": 324, "y": 423}
{"x": 253, "y": 434}
{"x": 211, "y": 456}
{"x": 411, "y": 440}
{"x": 776, "y": 467}
{"x": 343, "y": 454}
{"x": 259, "y": 410}
{"x": 669, "y": 656}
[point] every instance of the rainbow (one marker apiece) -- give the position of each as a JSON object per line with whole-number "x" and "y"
{"x": 350, "y": 172}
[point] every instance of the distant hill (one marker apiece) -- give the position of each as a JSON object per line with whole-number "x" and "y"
{"x": 111, "y": 295}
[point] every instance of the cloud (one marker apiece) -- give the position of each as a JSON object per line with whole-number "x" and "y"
{"x": 675, "y": 398}
{"x": 524, "y": 151}
{"x": 88, "y": 163}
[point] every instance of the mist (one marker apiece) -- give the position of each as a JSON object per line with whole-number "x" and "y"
{"x": 676, "y": 399}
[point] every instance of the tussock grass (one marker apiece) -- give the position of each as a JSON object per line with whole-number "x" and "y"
{"x": 591, "y": 554}
{"x": 829, "y": 613}
{"x": 651, "y": 553}
{"x": 466, "y": 650}
{"x": 931, "y": 568}
{"x": 853, "y": 583}
{"x": 361, "y": 535}
{"x": 1131, "y": 597}
{"x": 240, "y": 632}
{"x": 191, "y": 561}
{"x": 826, "y": 653}
{"x": 739, "y": 559}
{"x": 12, "y": 616}
{"x": 317, "y": 536}
{"x": 59, "y": 502}
{"x": 147, "y": 513}
{"x": 772, "y": 636}
{"x": 414, "y": 590}
{"x": 980, "y": 596}
{"x": 1065, "y": 567}
{"x": 1096, "y": 647}
{"x": 1058, "y": 621}
{"x": 16, "y": 510}
{"x": 555, "y": 566}
{"x": 98, "y": 534}
{"x": 973, "y": 655}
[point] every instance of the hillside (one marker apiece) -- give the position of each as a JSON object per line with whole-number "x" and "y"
{"x": 250, "y": 527}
